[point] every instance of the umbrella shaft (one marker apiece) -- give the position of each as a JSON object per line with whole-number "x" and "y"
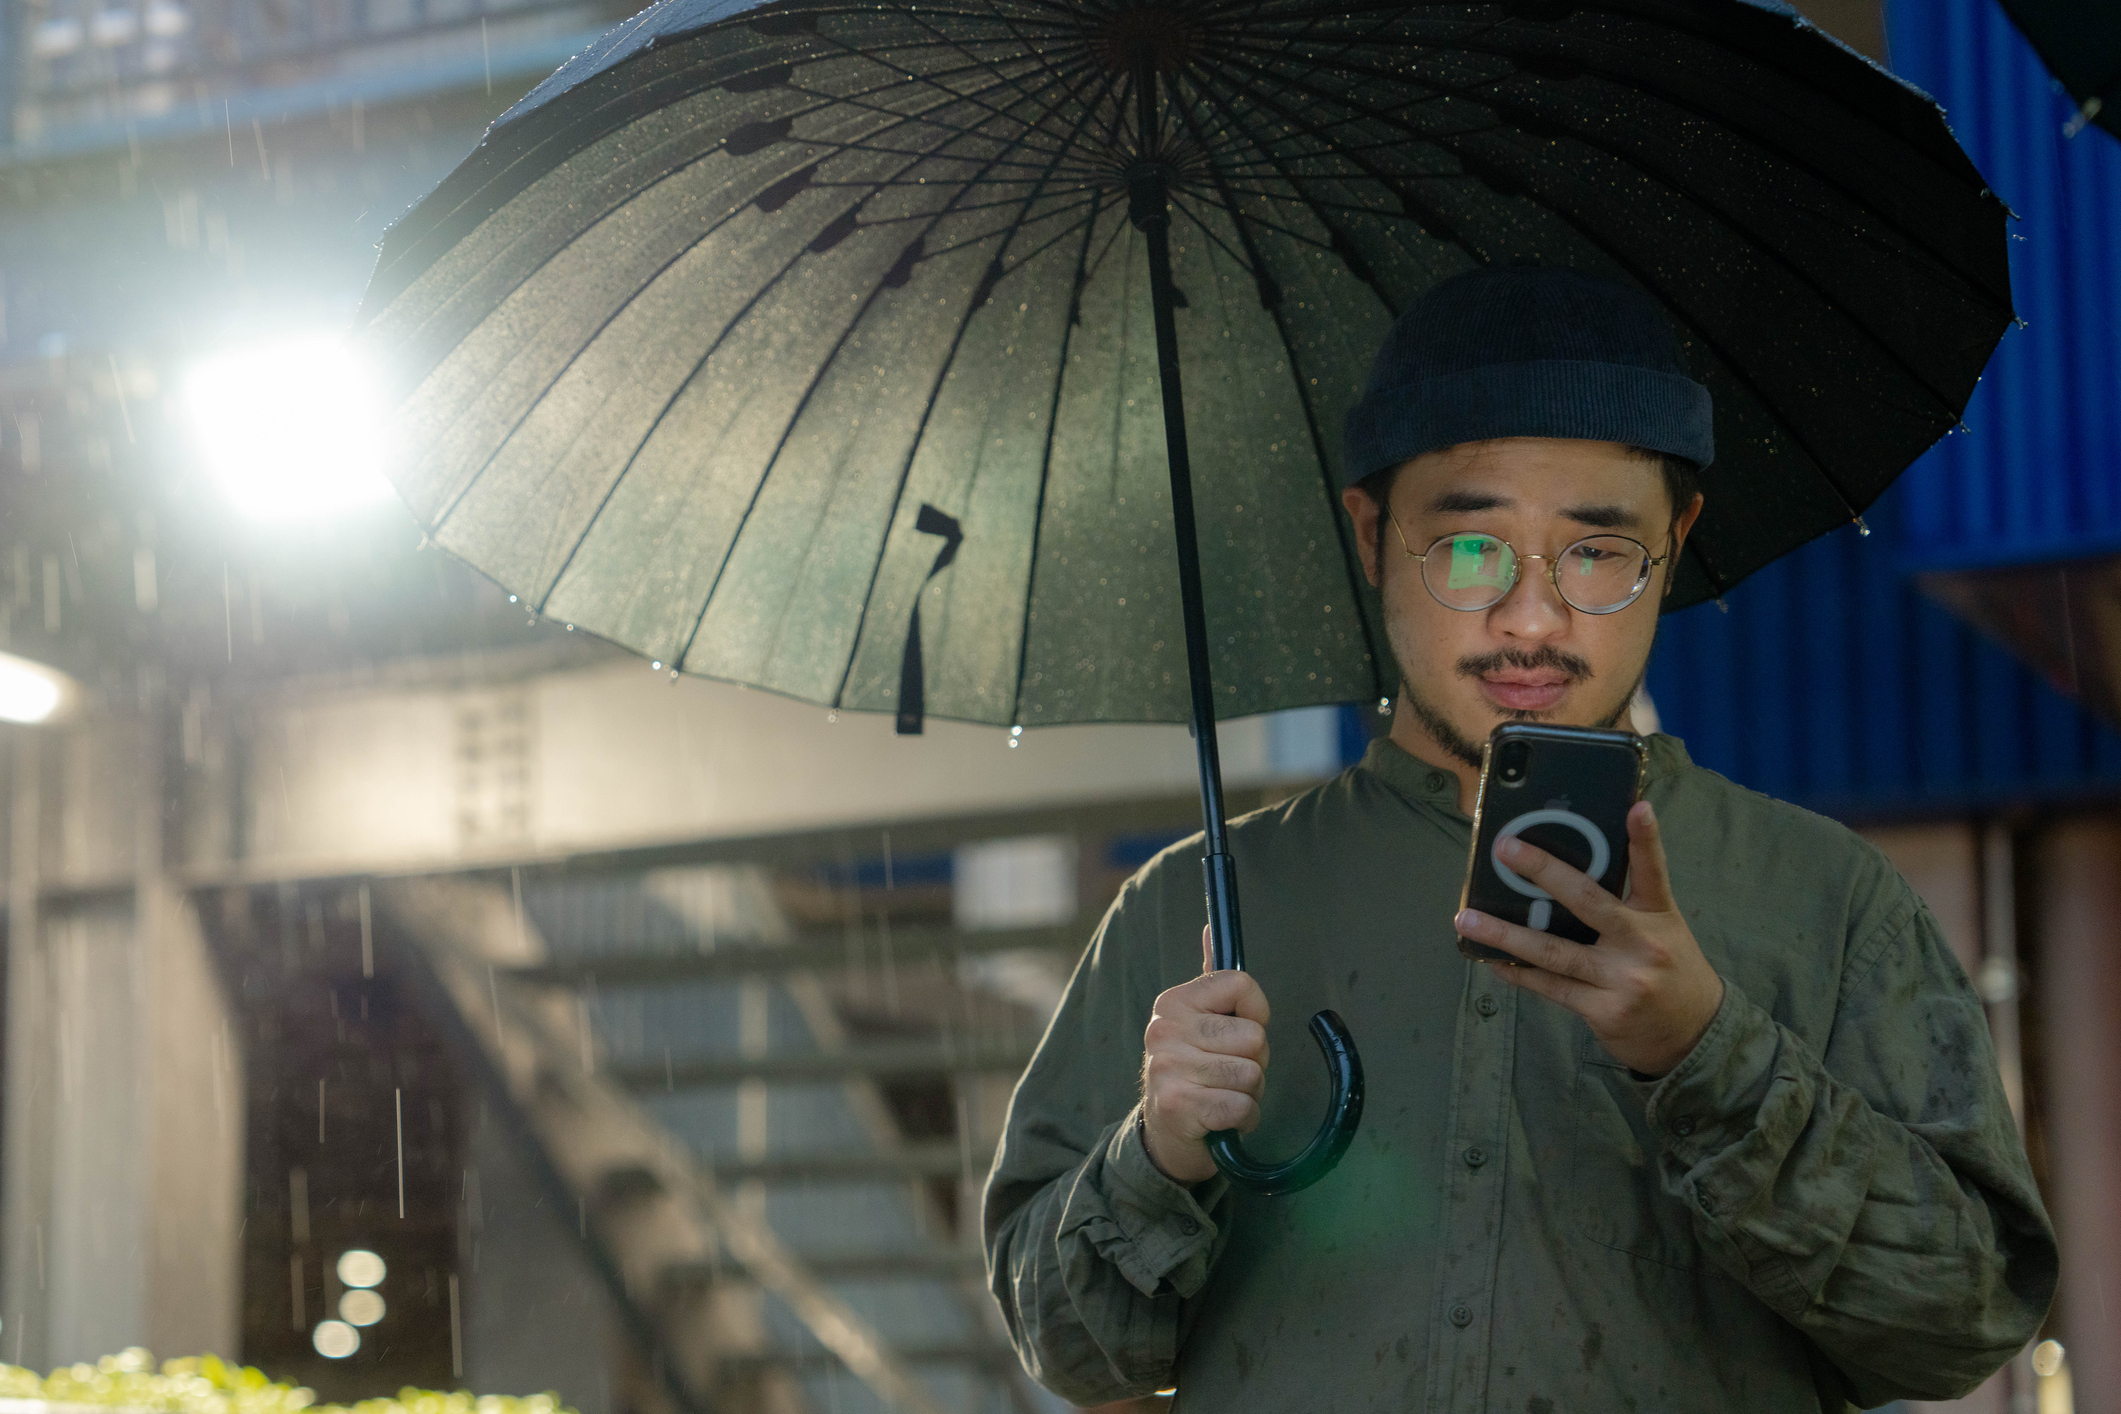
{"x": 1147, "y": 200}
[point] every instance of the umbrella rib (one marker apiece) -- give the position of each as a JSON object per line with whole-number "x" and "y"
{"x": 1296, "y": 185}
{"x": 766, "y": 474}
{"x": 1045, "y": 472}
{"x": 439, "y": 217}
{"x": 1627, "y": 262}
{"x": 1500, "y": 105}
{"x": 975, "y": 62}
{"x": 898, "y": 496}
{"x": 1647, "y": 82}
{"x": 1015, "y": 33}
{"x": 656, "y": 422}
{"x": 1378, "y": 651}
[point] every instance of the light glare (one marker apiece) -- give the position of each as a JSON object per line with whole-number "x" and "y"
{"x": 360, "y": 1267}
{"x": 363, "y": 1306}
{"x": 30, "y": 692}
{"x": 335, "y": 1340}
{"x": 290, "y": 430}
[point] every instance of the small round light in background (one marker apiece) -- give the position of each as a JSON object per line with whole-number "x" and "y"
{"x": 335, "y": 1340}
{"x": 361, "y": 1267}
{"x": 361, "y": 1307}
{"x": 2047, "y": 1358}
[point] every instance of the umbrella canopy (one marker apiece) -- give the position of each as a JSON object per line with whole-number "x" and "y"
{"x": 747, "y": 333}
{"x": 2080, "y": 42}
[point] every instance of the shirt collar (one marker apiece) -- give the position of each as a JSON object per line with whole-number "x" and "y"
{"x": 1432, "y": 785}
{"x": 1412, "y": 777}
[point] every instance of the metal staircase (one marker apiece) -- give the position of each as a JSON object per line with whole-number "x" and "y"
{"x": 772, "y": 1128}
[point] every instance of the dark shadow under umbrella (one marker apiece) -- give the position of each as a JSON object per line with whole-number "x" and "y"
{"x": 838, "y": 350}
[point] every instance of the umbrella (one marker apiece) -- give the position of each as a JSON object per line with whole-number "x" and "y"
{"x": 2080, "y": 42}
{"x": 875, "y": 354}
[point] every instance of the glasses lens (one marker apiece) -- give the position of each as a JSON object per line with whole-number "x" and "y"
{"x": 1469, "y": 571}
{"x": 1601, "y": 573}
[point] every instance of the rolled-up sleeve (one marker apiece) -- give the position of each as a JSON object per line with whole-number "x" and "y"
{"x": 1875, "y": 1196}
{"x": 1090, "y": 1247}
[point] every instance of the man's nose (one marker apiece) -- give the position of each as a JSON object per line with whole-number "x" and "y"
{"x": 1533, "y": 609}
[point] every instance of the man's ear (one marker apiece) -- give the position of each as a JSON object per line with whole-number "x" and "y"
{"x": 1366, "y": 514}
{"x": 1682, "y": 526}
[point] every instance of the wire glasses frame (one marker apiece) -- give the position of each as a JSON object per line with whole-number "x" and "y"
{"x": 1480, "y": 570}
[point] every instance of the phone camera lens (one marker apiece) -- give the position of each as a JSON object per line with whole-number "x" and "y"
{"x": 1512, "y": 761}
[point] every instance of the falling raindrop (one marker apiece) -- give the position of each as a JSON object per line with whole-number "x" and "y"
{"x": 397, "y": 1105}
{"x": 657, "y": 665}
{"x": 832, "y": 716}
{"x": 1384, "y": 706}
{"x": 511, "y": 598}
{"x": 1861, "y": 528}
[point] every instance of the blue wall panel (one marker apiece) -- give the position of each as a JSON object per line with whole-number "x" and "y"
{"x": 2037, "y": 475}
{"x": 1831, "y": 680}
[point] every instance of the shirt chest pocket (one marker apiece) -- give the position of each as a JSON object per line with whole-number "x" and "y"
{"x": 1615, "y": 1191}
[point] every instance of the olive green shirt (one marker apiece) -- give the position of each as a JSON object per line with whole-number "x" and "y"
{"x": 1826, "y": 1201}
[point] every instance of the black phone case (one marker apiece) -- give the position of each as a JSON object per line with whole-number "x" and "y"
{"x": 1578, "y": 787}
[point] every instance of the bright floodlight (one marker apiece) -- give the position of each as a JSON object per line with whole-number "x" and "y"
{"x": 335, "y": 1340}
{"x": 290, "y": 430}
{"x": 361, "y": 1267}
{"x": 361, "y": 1306}
{"x": 30, "y": 692}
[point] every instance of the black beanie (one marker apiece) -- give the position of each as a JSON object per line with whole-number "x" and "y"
{"x": 1527, "y": 352}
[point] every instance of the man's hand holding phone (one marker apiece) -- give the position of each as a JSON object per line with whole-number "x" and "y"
{"x": 1646, "y": 990}
{"x": 1203, "y": 1068}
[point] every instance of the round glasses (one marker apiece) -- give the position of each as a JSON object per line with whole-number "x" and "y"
{"x": 1470, "y": 571}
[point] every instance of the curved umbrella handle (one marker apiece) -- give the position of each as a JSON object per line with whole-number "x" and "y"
{"x": 1335, "y": 1131}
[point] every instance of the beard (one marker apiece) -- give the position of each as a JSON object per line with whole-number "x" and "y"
{"x": 1440, "y": 729}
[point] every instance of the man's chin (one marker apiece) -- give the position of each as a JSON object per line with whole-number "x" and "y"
{"x": 1464, "y": 732}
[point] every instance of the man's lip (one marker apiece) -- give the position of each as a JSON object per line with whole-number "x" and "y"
{"x": 1525, "y": 692}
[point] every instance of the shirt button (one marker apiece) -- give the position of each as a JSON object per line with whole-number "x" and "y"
{"x": 1475, "y": 1157}
{"x": 1188, "y": 1226}
{"x": 1437, "y": 780}
{"x": 1683, "y": 1126}
{"x": 1461, "y": 1315}
{"x": 1485, "y": 1005}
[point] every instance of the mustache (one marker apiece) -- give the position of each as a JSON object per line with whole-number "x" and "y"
{"x": 1545, "y": 656}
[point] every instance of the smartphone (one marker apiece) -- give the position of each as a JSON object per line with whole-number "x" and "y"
{"x": 1568, "y": 791}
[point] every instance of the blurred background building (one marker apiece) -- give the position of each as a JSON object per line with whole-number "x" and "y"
{"x": 655, "y": 1037}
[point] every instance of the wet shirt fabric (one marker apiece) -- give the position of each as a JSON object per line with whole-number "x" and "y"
{"x": 1825, "y": 1202}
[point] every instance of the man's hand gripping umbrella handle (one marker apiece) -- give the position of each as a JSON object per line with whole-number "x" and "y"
{"x": 1148, "y": 197}
{"x": 1343, "y": 1066}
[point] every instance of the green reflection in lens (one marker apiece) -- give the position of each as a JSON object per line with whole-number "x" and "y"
{"x": 1469, "y": 562}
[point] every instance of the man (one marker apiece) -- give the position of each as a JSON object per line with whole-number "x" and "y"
{"x": 1748, "y": 1153}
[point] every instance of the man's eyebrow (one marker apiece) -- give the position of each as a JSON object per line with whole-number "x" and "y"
{"x": 1466, "y": 502}
{"x": 1606, "y": 517}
